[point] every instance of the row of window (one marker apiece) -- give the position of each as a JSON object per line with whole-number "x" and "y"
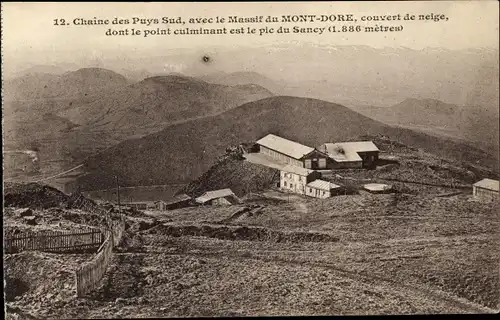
{"x": 310, "y": 189}
{"x": 284, "y": 183}
{"x": 319, "y": 192}
{"x": 290, "y": 176}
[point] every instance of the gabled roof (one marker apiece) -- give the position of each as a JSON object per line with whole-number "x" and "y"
{"x": 297, "y": 170}
{"x": 322, "y": 185}
{"x": 210, "y": 195}
{"x": 285, "y": 146}
{"x": 377, "y": 187}
{"x": 347, "y": 151}
{"x": 489, "y": 184}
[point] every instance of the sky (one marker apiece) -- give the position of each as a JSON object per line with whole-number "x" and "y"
{"x": 30, "y": 36}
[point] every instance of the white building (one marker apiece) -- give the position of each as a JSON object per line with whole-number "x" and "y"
{"x": 295, "y": 179}
{"x": 321, "y": 189}
{"x": 486, "y": 189}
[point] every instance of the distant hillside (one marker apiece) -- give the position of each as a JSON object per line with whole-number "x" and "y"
{"x": 55, "y": 69}
{"x": 355, "y": 74}
{"x": 183, "y": 152}
{"x": 161, "y": 100}
{"x": 470, "y": 123}
{"x": 31, "y": 106}
{"x": 243, "y": 78}
{"x": 70, "y": 129}
{"x": 80, "y": 83}
{"x": 50, "y": 69}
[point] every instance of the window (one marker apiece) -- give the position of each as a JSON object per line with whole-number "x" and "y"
{"x": 322, "y": 163}
{"x": 310, "y": 190}
{"x": 284, "y": 183}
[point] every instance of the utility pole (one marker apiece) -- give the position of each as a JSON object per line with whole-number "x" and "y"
{"x": 118, "y": 193}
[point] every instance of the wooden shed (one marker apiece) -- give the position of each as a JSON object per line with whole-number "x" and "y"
{"x": 322, "y": 189}
{"x": 486, "y": 190}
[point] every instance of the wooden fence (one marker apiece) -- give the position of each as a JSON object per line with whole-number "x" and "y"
{"x": 53, "y": 241}
{"x": 89, "y": 275}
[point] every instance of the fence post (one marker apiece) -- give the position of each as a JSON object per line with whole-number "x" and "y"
{"x": 77, "y": 284}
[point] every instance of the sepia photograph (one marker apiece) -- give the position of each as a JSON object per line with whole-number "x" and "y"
{"x": 244, "y": 159}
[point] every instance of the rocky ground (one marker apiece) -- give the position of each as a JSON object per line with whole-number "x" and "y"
{"x": 278, "y": 254}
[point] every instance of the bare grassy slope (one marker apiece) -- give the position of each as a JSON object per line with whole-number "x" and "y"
{"x": 68, "y": 129}
{"x": 79, "y": 83}
{"x": 161, "y": 99}
{"x": 474, "y": 124}
{"x": 240, "y": 176}
{"x": 182, "y": 152}
{"x": 243, "y": 78}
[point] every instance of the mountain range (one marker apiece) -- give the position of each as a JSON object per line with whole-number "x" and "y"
{"x": 72, "y": 84}
{"x": 478, "y": 126}
{"x": 71, "y": 123}
{"x": 182, "y": 152}
{"x": 350, "y": 75}
{"x": 180, "y": 117}
{"x": 161, "y": 99}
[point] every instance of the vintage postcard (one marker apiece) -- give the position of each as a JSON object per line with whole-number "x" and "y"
{"x": 250, "y": 159}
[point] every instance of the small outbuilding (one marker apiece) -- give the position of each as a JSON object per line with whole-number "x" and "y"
{"x": 486, "y": 189}
{"x": 177, "y": 202}
{"x": 322, "y": 189}
{"x": 218, "y": 197}
{"x": 377, "y": 188}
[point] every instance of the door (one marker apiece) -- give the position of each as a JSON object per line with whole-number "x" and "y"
{"x": 308, "y": 163}
{"x": 314, "y": 164}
